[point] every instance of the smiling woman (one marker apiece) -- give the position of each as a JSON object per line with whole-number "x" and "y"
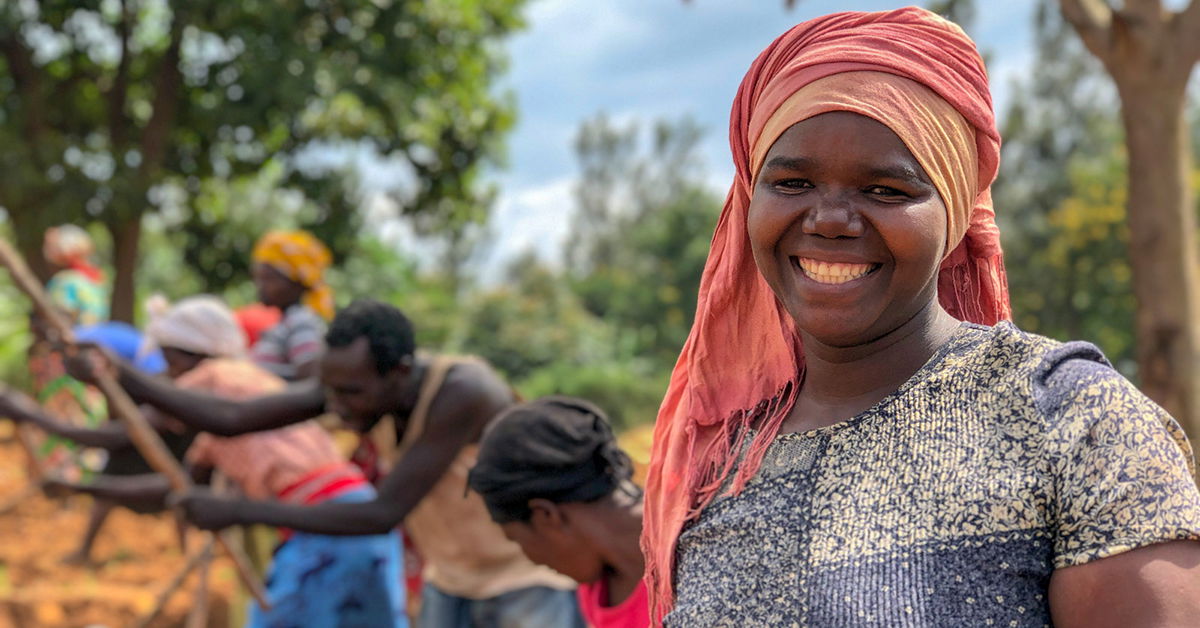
{"x": 846, "y": 228}
{"x": 854, "y": 434}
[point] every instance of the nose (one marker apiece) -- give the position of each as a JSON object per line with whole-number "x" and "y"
{"x": 832, "y": 216}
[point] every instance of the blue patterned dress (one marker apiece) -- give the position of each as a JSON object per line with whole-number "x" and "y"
{"x": 950, "y": 502}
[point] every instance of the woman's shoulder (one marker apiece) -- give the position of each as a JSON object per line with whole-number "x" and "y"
{"x": 301, "y": 313}
{"x": 1059, "y": 385}
{"x": 1012, "y": 353}
{"x": 236, "y": 378}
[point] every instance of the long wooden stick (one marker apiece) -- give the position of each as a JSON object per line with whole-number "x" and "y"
{"x": 198, "y": 616}
{"x": 164, "y": 596}
{"x": 34, "y": 468}
{"x": 147, "y": 441}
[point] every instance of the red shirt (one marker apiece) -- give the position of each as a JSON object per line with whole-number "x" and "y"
{"x": 633, "y": 612}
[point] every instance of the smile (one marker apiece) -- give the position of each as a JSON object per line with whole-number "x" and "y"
{"x": 832, "y": 272}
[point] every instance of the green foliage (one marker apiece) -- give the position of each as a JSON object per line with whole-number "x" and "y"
{"x": 102, "y": 103}
{"x": 533, "y": 322}
{"x": 14, "y": 336}
{"x": 961, "y": 12}
{"x": 608, "y": 326}
{"x": 1061, "y": 197}
{"x": 641, "y": 232}
{"x": 629, "y": 395}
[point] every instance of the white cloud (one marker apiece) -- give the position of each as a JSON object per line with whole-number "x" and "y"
{"x": 535, "y": 218}
{"x": 641, "y": 60}
{"x": 576, "y": 34}
{"x": 1004, "y": 73}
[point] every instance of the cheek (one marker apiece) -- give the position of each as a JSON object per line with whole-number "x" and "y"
{"x": 536, "y": 549}
{"x": 767, "y": 220}
{"x": 541, "y": 553}
{"x": 916, "y": 236}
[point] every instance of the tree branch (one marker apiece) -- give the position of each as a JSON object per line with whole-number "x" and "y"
{"x": 1144, "y": 10}
{"x": 118, "y": 95}
{"x": 1092, "y": 19}
{"x": 1187, "y": 29}
{"x": 167, "y": 83}
{"x": 28, "y": 81}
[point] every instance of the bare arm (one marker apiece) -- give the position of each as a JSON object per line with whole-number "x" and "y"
{"x": 109, "y": 435}
{"x": 209, "y": 413}
{"x": 457, "y": 418}
{"x": 1157, "y": 586}
{"x": 126, "y": 489}
{"x": 225, "y": 417}
{"x": 307, "y": 370}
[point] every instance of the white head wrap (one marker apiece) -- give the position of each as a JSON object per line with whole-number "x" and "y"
{"x": 202, "y": 324}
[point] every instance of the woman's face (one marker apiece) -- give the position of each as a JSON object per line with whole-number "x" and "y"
{"x": 50, "y": 252}
{"x": 275, "y": 288}
{"x": 180, "y": 361}
{"x": 846, "y": 228}
{"x": 550, "y": 539}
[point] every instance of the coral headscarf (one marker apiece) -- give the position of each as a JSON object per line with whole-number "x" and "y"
{"x": 303, "y": 258}
{"x": 922, "y": 77}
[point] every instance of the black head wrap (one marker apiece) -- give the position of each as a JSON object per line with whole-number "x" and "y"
{"x": 560, "y": 449}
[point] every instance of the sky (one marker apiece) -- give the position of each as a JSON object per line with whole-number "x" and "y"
{"x": 648, "y": 59}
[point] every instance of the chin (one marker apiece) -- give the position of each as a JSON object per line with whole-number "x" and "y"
{"x": 832, "y": 326}
{"x": 837, "y": 329}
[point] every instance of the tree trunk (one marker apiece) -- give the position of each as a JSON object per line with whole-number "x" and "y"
{"x": 126, "y": 236}
{"x": 1162, "y": 242}
{"x": 1150, "y": 53}
{"x": 29, "y": 230}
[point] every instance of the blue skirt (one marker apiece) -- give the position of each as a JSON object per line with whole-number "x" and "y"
{"x": 318, "y": 581}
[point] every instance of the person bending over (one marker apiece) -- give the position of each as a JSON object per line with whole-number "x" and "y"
{"x": 420, "y": 418}
{"x": 123, "y": 458}
{"x": 313, "y": 579}
{"x": 553, "y": 477}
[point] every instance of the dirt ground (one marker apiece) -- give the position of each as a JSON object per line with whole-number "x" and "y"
{"x": 137, "y": 556}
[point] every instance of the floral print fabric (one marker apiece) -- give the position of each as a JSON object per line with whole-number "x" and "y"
{"x": 950, "y": 502}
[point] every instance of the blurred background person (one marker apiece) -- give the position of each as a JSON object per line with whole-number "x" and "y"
{"x": 289, "y": 274}
{"x": 553, "y": 477}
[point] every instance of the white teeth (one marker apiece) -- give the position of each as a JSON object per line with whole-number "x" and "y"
{"x": 832, "y": 272}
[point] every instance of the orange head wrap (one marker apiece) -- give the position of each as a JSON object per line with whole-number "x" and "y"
{"x": 302, "y": 258}
{"x": 916, "y": 73}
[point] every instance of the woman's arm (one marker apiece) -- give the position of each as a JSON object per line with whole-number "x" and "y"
{"x": 20, "y": 407}
{"x": 206, "y": 412}
{"x": 126, "y": 489}
{"x": 1157, "y": 586}
{"x": 1125, "y": 504}
{"x": 456, "y": 418}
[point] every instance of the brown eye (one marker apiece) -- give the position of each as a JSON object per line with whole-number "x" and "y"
{"x": 882, "y": 191}
{"x": 793, "y": 185}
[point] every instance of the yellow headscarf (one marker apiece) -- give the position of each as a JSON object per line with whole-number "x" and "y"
{"x": 303, "y": 259}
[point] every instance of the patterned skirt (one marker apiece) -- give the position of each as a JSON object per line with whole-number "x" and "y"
{"x": 336, "y": 581}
